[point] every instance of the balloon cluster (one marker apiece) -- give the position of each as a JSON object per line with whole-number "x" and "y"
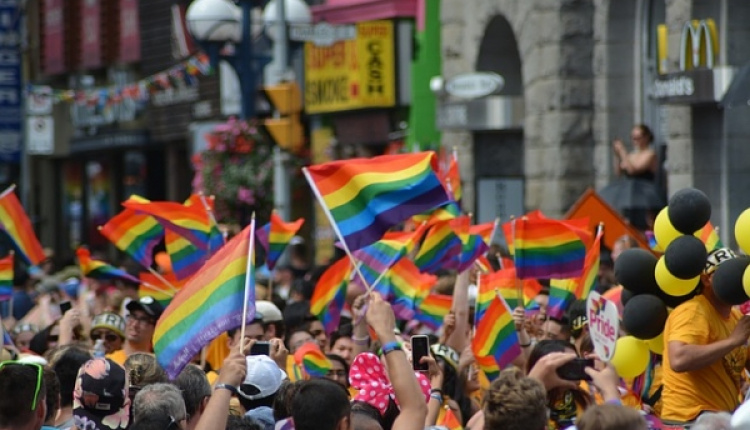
{"x": 652, "y": 284}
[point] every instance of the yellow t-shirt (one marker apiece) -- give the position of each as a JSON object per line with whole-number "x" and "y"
{"x": 118, "y": 357}
{"x": 712, "y": 388}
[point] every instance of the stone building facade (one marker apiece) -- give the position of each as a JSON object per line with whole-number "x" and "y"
{"x": 584, "y": 72}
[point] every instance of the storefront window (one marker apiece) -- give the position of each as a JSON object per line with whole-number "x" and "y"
{"x": 73, "y": 203}
{"x": 99, "y": 200}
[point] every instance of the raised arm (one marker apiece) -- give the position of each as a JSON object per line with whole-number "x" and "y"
{"x": 232, "y": 374}
{"x": 458, "y": 339}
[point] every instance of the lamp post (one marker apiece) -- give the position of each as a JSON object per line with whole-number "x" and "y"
{"x": 216, "y": 23}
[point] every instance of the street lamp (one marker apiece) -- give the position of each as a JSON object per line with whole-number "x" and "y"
{"x": 213, "y": 24}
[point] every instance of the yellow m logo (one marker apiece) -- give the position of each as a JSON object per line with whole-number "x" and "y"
{"x": 698, "y": 44}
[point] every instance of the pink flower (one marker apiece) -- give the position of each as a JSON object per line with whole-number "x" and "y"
{"x": 246, "y": 195}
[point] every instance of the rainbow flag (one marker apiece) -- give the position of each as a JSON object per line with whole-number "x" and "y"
{"x": 476, "y": 246}
{"x": 495, "y": 334}
{"x": 154, "y": 287}
{"x": 275, "y": 236}
{"x": 189, "y": 221}
{"x": 330, "y": 291}
{"x": 365, "y": 197}
{"x": 443, "y": 244}
{"x": 96, "y": 269}
{"x": 547, "y": 249}
{"x": 563, "y": 292}
{"x": 433, "y": 309}
{"x": 135, "y": 234}
{"x": 453, "y": 178}
{"x": 710, "y": 237}
{"x": 210, "y": 303}
{"x": 442, "y": 213}
{"x": 186, "y": 258}
{"x": 6, "y": 277}
{"x": 488, "y": 366}
{"x": 450, "y": 421}
{"x": 407, "y": 287}
{"x": 505, "y": 283}
{"x": 15, "y": 222}
{"x": 215, "y": 237}
{"x": 312, "y": 360}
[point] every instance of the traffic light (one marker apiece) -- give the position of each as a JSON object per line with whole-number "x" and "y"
{"x": 285, "y": 127}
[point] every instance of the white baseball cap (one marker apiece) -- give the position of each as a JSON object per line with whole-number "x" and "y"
{"x": 262, "y": 379}
{"x": 268, "y": 311}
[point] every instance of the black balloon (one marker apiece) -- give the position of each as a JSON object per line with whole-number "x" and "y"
{"x": 674, "y": 301}
{"x": 626, "y": 296}
{"x": 634, "y": 270}
{"x": 727, "y": 281}
{"x": 689, "y": 210}
{"x": 644, "y": 316}
{"x": 685, "y": 257}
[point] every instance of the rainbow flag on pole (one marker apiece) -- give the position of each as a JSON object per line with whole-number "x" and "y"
{"x": 365, "y": 197}
{"x": 495, "y": 334}
{"x": 443, "y": 245}
{"x": 710, "y": 237}
{"x": 275, "y": 236}
{"x": 449, "y": 420}
{"x": 186, "y": 258}
{"x": 330, "y": 291}
{"x": 547, "y": 249}
{"x": 6, "y": 277}
{"x": 15, "y": 222}
{"x": 189, "y": 221}
{"x": 562, "y": 292}
{"x": 96, "y": 269}
{"x": 505, "y": 283}
{"x": 210, "y": 303}
{"x": 154, "y": 287}
{"x": 433, "y": 309}
{"x": 135, "y": 234}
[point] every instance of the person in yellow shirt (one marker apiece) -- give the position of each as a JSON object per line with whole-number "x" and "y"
{"x": 704, "y": 352}
{"x": 139, "y": 328}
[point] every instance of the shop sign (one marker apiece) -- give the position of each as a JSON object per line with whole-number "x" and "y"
{"x": 105, "y": 113}
{"x": 40, "y": 135}
{"x": 10, "y": 81}
{"x": 53, "y": 55}
{"x": 474, "y": 85}
{"x": 322, "y": 34}
{"x": 352, "y": 74}
{"x": 698, "y": 44}
{"x": 130, "y": 31}
{"x": 693, "y": 86}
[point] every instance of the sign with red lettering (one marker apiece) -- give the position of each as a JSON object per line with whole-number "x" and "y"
{"x": 604, "y": 325}
{"x": 53, "y": 56}
{"x": 130, "y": 39}
{"x": 91, "y": 47}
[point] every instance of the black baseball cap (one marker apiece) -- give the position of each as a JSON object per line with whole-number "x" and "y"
{"x": 147, "y": 304}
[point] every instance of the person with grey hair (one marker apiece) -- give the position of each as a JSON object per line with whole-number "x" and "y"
{"x": 713, "y": 421}
{"x": 163, "y": 400}
{"x": 196, "y": 391}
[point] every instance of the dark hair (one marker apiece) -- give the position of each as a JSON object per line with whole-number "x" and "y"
{"x": 545, "y": 347}
{"x": 66, "y": 362}
{"x": 40, "y": 342}
{"x": 282, "y": 404}
{"x": 153, "y": 422}
{"x": 320, "y": 404}
{"x": 646, "y": 131}
{"x": 576, "y": 315}
{"x": 344, "y": 330}
{"x": 241, "y": 423}
{"x": 17, "y": 387}
{"x": 194, "y": 386}
{"x": 52, "y": 383}
{"x": 292, "y": 333}
{"x": 233, "y": 331}
{"x": 337, "y": 358}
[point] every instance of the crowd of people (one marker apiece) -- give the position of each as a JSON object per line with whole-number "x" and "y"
{"x": 92, "y": 367}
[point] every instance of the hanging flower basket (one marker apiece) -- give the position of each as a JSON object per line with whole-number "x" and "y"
{"x": 237, "y": 168}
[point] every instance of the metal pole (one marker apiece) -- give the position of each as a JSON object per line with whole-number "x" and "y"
{"x": 281, "y": 45}
{"x": 244, "y": 61}
{"x": 281, "y": 197}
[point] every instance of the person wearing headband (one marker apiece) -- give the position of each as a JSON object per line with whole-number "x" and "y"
{"x": 705, "y": 353}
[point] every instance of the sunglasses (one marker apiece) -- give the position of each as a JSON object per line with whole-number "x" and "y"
{"x": 39, "y": 375}
{"x": 109, "y": 337}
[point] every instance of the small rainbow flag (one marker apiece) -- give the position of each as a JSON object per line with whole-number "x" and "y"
{"x": 330, "y": 291}
{"x": 547, "y": 249}
{"x": 275, "y": 236}
{"x": 186, "y": 258}
{"x": 453, "y": 178}
{"x": 135, "y": 234}
{"x": 505, "y": 282}
{"x": 211, "y": 302}
{"x": 152, "y": 286}
{"x": 449, "y": 420}
{"x": 365, "y": 197}
{"x": 710, "y": 237}
{"x": 443, "y": 243}
{"x": 442, "y": 213}
{"x": 189, "y": 221}
{"x": 96, "y": 269}
{"x": 488, "y": 366}
{"x": 495, "y": 334}
{"x": 407, "y": 287}
{"x": 312, "y": 360}
{"x": 216, "y": 238}
{"x": 15, "y": 222}
{"x": 433, "y": 309}
{"x": 6, "y": 278}
{"x": 475, "y": 247}
{"x": 562, "y": 292}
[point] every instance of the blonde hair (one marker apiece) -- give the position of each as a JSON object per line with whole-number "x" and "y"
{"x": 515, "y": 402}
{"x": 611, "y": 417}
{"x": 144, "y": 370}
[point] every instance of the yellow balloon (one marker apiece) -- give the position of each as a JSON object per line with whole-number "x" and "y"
{"x": 670, "y": 284}
{"x": 746, "y": 281}
{"x": 664, "y": 230}
{"x": 742, "y": 230}
{"x": 656, "y": 345}
{"x": 631, "y": 357}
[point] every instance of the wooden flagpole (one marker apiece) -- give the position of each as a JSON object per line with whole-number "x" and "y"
{"x": 248, "y": 279}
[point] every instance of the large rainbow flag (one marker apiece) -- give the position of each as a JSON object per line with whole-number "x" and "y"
{"x": 135, "y": 234}
{"x": 495, "y": 334}
{"x": 185, "y": 257}
{"x": 6, "y": 277}
{"x": 189, "y": 221}
{"x": 328, "y": 298}
{"x": 210, "y": 303}
{"x": 365, "y": 197}
{"x": 15, "y": 222}
{"x": 96, "y": 269}
{"x": 547, "y": 249}
{"x": 563, "y": 292}
{"x": 275, "y": 236}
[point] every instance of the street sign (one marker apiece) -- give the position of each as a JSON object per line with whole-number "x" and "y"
{"x": 474, "y": 85}
{"x": 322, "y": 34}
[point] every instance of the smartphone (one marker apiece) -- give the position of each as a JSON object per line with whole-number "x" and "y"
{"x": 420, "y": 347}
{"x": 574, "y": 370}
{"x": 65, "y": 307}
{"x": 261, "y": 348}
